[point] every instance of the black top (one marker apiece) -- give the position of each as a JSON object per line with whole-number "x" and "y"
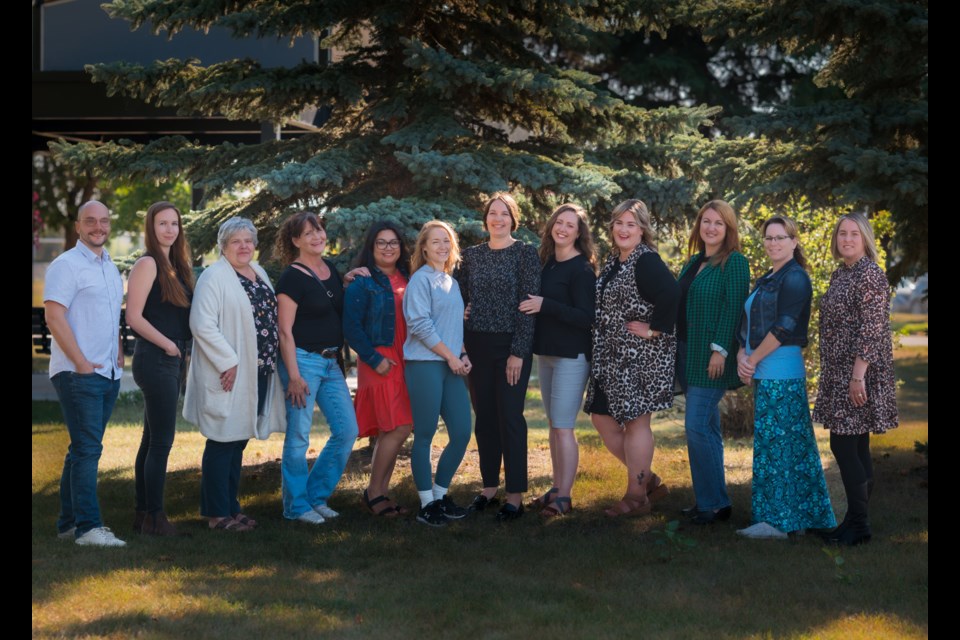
{"x": 167, "y": 318}
{"x": 318, "y": 324}
{"x": 494, "y": 282}
{"x": 566, "y": 315}
{"x": 264, "y": 304}
{"x": 656, "y": 284}
{"x": 688, "y": 277}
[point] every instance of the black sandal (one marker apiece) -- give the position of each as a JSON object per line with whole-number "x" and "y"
{"x": 388, "y": 511}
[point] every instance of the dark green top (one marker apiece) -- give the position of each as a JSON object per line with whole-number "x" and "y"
{"x": 714, "y": 304}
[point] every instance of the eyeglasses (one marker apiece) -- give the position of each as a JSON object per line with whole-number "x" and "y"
{"x": 387, "y": 244}
{"x": 772, "y": 239}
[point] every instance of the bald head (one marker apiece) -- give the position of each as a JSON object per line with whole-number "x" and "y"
{"x": 93, "y": 225}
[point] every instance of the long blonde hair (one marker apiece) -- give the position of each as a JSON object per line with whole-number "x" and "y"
{"x": 866, "y": 232}
{"x": 419, "y": 258}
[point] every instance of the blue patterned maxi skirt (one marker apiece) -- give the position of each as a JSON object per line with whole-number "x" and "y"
{"x": 789, "y": 490}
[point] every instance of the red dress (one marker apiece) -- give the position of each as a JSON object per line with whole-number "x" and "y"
{"x": 382, "y": 402}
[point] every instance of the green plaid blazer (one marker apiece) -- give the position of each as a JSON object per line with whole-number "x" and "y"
{"x": 714, "y": 304}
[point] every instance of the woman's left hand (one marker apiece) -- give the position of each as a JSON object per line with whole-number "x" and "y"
{"x": 532, "y": 304}
{"x": 716, "y": 365}
{"x": 641, "y": 329}
{"x": 228, "y": 377}
{"x": 353, "y": 274}
{"x": 514, "y": 364}
{"x": 857, "y": 391}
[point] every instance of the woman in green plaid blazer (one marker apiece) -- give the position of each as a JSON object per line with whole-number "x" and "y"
{"x": 714, "y": 284}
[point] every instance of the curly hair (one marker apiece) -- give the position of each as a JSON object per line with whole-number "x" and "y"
{"x": 293, "y": 228}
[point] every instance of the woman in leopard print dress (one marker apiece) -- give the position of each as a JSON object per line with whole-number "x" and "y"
{"x": 857, "y": 392}
{"x": 634, "y": 350}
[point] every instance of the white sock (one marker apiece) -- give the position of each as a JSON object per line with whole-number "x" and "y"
{"x": 426, "y": 497}
{"x": 438, "y": 491}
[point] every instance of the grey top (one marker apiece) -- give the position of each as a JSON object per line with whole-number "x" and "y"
{"x": 433, "y": 309}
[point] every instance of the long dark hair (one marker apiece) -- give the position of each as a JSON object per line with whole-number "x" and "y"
{"x": 365, "y": 256}
{"x": 583, "y": 243}
{"x": 170, "y": 272}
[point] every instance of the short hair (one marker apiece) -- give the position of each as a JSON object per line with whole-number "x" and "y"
{"x": 232, "y": 226}
{"x": 731, "y": 241}
{"x": 511, "y": 205}
{"x": 418, "y": 259}
{"x": 866, "y": 232}
{"x": 639, "y": 211}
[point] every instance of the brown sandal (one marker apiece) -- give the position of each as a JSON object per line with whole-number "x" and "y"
{"x": 229, "y": 524}
{"x": 629, "y": 506}
{"x": 245, "y": 520}
{"x": 656, "y": 489}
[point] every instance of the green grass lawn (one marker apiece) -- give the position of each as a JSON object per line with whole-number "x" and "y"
{"x": 582, "y": 576}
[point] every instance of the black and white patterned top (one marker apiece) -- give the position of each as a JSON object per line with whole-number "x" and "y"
{"x": 494, "y": 282}
{"x": 264, "y": 304}
{"x": 635, "y": 373}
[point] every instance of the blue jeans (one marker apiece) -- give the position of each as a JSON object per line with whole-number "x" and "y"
{"x": 705, "y": 447}
{"x": 86, "y": 401}
{"x": 303, "y": 490}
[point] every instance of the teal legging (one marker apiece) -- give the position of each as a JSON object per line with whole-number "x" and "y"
{"x": 436, "y": 392}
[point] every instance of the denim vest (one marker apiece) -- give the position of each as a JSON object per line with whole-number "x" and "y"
{"x": 781, "y": 307}
{"x": 369, "y": 316}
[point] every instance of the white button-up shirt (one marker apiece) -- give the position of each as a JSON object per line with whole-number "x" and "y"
{"x": 91, "y": 289}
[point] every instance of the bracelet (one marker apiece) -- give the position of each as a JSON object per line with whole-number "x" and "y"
{"x": 856, "y": 379}
{"x": 463, "y": 354}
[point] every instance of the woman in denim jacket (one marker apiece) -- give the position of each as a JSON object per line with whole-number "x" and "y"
{"x": 789, "y": 490}
{"x": 373, "y": 324}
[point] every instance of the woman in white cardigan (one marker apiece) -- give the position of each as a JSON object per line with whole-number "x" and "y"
{"x": 233, "y": 390}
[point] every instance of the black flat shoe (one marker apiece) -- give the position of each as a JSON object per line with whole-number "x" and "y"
{"x": 481, "y": 502}
{"x": 709, "y": 517}
{"x": 509, "y": 512}
{"x": 689, "y": 512}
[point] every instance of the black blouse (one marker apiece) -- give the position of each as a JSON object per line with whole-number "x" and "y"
{"x": 566, "y": 315}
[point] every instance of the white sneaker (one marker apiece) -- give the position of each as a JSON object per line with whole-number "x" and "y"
{"x": 325, "y": 511}
{"x": 100, "y": 537}
{"x": 311, "y": 517}
{"x": 69, "y": 534}
{"x": 761, "y": 531}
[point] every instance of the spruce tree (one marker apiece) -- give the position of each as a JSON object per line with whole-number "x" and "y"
{"x": 867, "y": 148}
{"x": 432, "y": 105}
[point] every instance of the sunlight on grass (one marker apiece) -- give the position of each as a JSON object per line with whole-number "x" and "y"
{"x": 867, "y": 627}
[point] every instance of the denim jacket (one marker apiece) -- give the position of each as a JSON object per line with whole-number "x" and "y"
{"x": 369, "y": 316}
{"x": 781, "y": 307}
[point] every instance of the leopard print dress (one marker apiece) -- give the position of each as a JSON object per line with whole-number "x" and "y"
{"x": 635, "y": 374}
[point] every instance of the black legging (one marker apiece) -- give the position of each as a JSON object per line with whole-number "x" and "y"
{"x": 501, "y": 429}
{"x": 853, "y": 459}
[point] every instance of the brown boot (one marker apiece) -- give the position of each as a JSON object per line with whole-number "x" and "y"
{"x": 656, "y": 489}
{"x": 158, "y": 525}
{"x": 138, "y": 519}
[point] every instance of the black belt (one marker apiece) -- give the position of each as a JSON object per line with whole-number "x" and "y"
{"x": 330, "y": 353}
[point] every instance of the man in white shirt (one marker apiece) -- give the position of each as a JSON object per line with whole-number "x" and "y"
{"x": 82, "y": 295}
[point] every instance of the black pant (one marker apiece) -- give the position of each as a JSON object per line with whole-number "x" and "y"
{"x": 501, "y": 429}
{"x": 853, "y": 459}
{"x": 158, "y": 376}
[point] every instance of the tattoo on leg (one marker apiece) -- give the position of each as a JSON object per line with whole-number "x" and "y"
{"x": 640, "y": 477}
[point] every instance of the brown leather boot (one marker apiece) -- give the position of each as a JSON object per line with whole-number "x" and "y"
{"x": 138, "y": 519}
{"x": 157, "y": 525}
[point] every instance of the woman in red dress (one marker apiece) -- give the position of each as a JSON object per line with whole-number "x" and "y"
{"x": 374, "y": 326}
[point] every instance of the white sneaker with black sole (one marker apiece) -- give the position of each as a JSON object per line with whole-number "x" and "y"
{"x": 450, "y": 509}
{"x": 432, "y": 515}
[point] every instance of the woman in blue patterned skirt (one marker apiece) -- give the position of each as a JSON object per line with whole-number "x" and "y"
{"x": 789, "y": 490}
